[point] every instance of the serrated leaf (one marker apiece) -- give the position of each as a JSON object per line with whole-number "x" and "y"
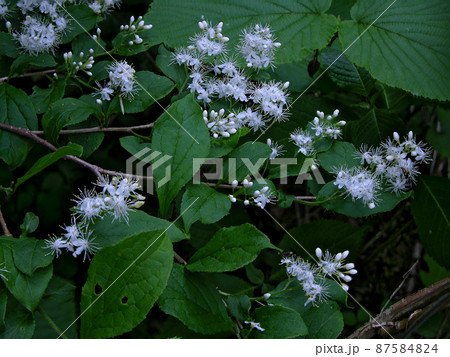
{"x": 183, "y": 127}
{"x": 64, "y": 112}
{"x": 16, "y": 109}
{"x": 301, "y": 26}
{"x": 195, "y": 302}
{"x": 132, "y": 274}
{"x": 59, "y": 303}
{"x": 28, "y": 290}
{"x": 42, "y": 98}
{"x": 109, "y": 232}
{"x": 340, "y": 154}
{"x": 150, "y": 88}
{"x": 47, "y": 160}
{"x": 325, "y": 321}
{"x": 278, "y": 322}
{"x": 345, "y": 74}
{"x": 230, "y": 249}
{"x": 205, "y": 204}
{"x": 407, "y": 47}
{"x": 29, "y": 255}
{"x": 85, "y": 21}
{"x": 431, "y": 211}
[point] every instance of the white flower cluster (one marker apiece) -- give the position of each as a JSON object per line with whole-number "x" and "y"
{"x": 103, "y": 6}
{"x": 134, "y": 28}
{"x": 260, "y": 198}
{"x": 117, "y": 197}
{"x": 393, "y": 166}
{"x": 81, "y": 63}
{"x": 218, "y": 124}
{"x": 122, "y": 80}
{"x": 313, "y": 277}
{"x": 321, "y": 127}
{"x": 277, "y": 150}
{"x": 3, "y": 271}
{"x": 3, "y": 8}
{"x": 215, "y": 75}
{"x": 43, "y": 25}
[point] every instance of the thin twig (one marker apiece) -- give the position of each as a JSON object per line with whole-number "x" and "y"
{"x": 179, "y": 259}
{"x": 30, "y": 74}
{"x": 98, "y": 129}
{"x": 6, "y": 231}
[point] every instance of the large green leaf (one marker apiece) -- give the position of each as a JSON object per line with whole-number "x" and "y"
{"x": 64, "y": 112}
{"x": 150, "y": 87}
{"x": 407, "y": 47}
{"x": 325, "y": 321}
{"x": 180, "y": 133}
{"x": 124, "y": 281}
{"x": 109, "y": 231}
{"x": 58, "y": 303}
{"x": 42, "y": 98}
{"x": 28, "y": 290}
{"x": 18, "y": 322}
{"x": 29, "y": 255}
{"x": 194, "y": 301}
{"x": 300, "y": 26}
{"x": 206, "y": 205}
{"x": 47, "y": 160}
{"x": 82, "y": 19}
{"x": 431, "y": 211}
{"x": 340, "y": 154}
{"x": 16, "y": 109}
{"x": 278, "y": 322}
{"x": 9, "y": 45}
{"x": 230, "y": 249}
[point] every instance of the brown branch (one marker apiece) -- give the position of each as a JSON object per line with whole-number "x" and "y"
{"x": 98, "y": 129}
{"x": 30, "y": 74}
{"x": 6, "y": 231}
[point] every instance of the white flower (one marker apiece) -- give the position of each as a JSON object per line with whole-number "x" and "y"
{"x": 271, "y": 98}
{"x": 304, "y": 141}
{"x": 55, "y": 244}
{"x": 3, "y": 271}
{"x": 210, "y": 42}
{"x": 255, "y": 325}
{"x": 277, "y": 150}
{"x": 84, "y": 245}
{"x": 37, "y": 36}
{"x": 263, "y": 197}
{"x": 121, "y": 75}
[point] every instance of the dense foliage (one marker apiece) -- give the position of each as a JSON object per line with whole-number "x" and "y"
{"x": 226, "y": 169}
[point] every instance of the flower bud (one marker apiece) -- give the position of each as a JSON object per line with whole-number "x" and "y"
{"x": 267, "y": 295}
{"x": 319, "y": 253}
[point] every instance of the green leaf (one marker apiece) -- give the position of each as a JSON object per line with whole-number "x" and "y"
{"x": 205, "y": 204}
{"x": 345, "y": 205}
{"x": 23, "y": 62}
{"x": 435, "y": 272}
{"x": 123, "y": 48}
{"x": 150, "y": 88}
{"x": 222, "y": 146}
{"x": 124, "y": 281}
{"x": 89, "y": 142}
{"x": 59, "y": 303}
{"x": 230, "y": 249}
{"x": 43, "y": 98}
{"x": 133, "y": 145}
{"x": 278, "y": 322}
{"x": 431, "y": 211}
{"x": 254, "y": 275}
{"x": 3, "y": 301}
{"x": 407, "y": 47}
{"x": 47, "y": 160}
{"x": 325, "y": 321}
{"x": 438, "y": 139}
{"x": 245, "y": 160}
{"x": 292, "y": 297}
{"x": 30, "y": 223}
{"x": 195, "y": 302}
{"x": 64, "y": 112}
{"x": 28, "y": 290}
{"x": 164, "y": 60}
{"x": 9, "y": 45}
{"x": 300, "y": 26}
{"x": 109, "y": 232}
{"x": 29, "y": 255}
{"x": 340, "y": 154}
{"x": 16, "y": 109}
{"x": 183, "y": 127}
{"x": 374, "y": 127}
{"x": 239, "y": 306}
{"x": 345, "y": 74}
{"x": 18, "y": 321}
{"x": 85, "y": 21}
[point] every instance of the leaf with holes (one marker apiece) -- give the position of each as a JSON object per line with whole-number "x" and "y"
{"x": 124, "y": 281}
{"x": 183, "y": 128}
{"x": 300, "y": 26}
{"x": 431, "y": 211}
{"x": 230, "y": 249}
{"x": 405, "y": 45}
{"x": 205, "y": 204}
{"x": 195, "y": 302}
